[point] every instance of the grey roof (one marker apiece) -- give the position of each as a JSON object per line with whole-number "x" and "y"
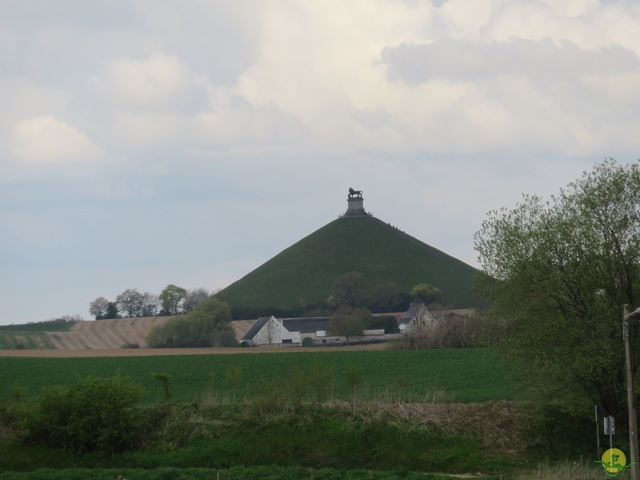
{"x": 409, "y": 315}
{"x": 413, "y": 312}
{"x": 306, "y": 325}
{"x": 255, "y": 328}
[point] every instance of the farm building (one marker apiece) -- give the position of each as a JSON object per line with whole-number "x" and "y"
{"x": 306, "y": 332}
{"x": 417, "y": 315}
{"x": 312, "y": 330}
{"x": 269, "y": 331}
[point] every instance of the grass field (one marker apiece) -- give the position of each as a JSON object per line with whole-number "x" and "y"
{"x": 220, "y": 427}
{"x": 16, "y": 340}
{"x": 456, "y": 375}
{"x": 31, "y": 335}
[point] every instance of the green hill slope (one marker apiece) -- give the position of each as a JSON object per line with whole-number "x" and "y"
{"x": 364, "y": 244}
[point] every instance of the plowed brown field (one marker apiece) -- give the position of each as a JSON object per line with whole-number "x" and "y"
{"x": 116, "y": 333}
{"x": 106, "y": 338}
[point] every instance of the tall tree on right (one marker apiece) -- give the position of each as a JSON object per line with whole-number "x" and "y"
{"x": 556, "y": 275}
{"x": 171, "y": 299}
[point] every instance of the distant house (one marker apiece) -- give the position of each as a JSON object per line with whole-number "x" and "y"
{"x": 307, "y": 332}
{"x": 417, "y": 315}
{"x": 312, "y": 331}
{"x": 268, "y": 331}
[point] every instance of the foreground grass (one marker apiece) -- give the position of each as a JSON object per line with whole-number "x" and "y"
{"x": 270, "y": 439}
{"x": 543, "y": 472}
{"x": 375, "y": 438}
{"x": 245, "y": 473}
{"x": 31, "y": 335}
{"x": 18, "y": 340}
{"x": 412, "y": 411}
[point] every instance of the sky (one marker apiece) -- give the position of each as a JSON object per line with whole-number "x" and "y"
{"x": 153, "y": 142}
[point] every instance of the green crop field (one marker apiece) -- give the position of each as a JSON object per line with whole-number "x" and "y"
{"x": 459, "y": 375}
{"x": 216, "y": 425}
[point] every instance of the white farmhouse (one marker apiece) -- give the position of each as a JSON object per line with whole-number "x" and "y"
{"x": 417, "y": 315}
{"x": 268, "y": 331}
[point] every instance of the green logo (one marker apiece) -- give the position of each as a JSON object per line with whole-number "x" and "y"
{"x": 614, "y": 461}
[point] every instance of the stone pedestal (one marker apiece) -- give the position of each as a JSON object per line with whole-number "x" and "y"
{"x": 355, "y": 207}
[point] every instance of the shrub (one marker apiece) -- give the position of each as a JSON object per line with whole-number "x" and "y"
{"x": 207, "y": 325}
{"x": 447, "y": 331}
{"x": 90, "y": 414}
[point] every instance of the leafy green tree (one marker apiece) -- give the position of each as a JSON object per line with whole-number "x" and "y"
{"x": 347, "y": 322}
{"x": 386, "y": 297}
{"x": 426, "y": 294}
{"x": 171, "y": 299}
{"x": 207, "y": 325}
{"x": 112, "y": 311}
{"x": 556, "y": 275}
{"x": 209, "y": 321}
{"x": 350, "y": 289}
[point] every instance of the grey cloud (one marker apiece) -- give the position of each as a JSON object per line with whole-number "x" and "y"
{"x": 372, "y": 119}
{"x": 218, "y": 39}
{"x": 464, "y": 60}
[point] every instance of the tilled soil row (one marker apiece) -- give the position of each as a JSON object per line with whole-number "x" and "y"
{"x": 106, "y": 334}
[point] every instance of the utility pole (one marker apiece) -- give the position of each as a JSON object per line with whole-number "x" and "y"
{"x": 628, "y": 320}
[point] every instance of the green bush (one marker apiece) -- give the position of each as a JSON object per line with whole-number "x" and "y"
{"x": 92, "y": 414}
{"x": 207, "y": 325}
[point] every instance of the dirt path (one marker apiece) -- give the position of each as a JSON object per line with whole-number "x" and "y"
{"x": 142, "y": 352}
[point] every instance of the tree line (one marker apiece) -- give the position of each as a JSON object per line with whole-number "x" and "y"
{"x": 173, "y": 300}
{"x": 349, "y": 290}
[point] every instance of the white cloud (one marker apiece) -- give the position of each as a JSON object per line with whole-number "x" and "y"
{"x": 331, "y": 73}
{"x": 465, "y": 60}
{"x": 23, "y": 98}
{"x": 158, "y": 83}
{"x": 47, "y": 140}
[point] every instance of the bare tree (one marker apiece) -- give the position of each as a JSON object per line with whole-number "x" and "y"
{"x": 130, "y": 302}
{"x": 193, "y": 297}
{"x": 98, "y": 308}
{"x": 150, "y": 304}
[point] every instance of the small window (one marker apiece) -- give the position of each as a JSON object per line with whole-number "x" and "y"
{"x": 287, "y": 340}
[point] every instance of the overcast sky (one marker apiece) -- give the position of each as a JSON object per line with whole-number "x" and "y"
{"x": 151, "y": 142}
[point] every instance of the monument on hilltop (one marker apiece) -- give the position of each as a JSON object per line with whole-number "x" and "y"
{"x": 355, "y": 204}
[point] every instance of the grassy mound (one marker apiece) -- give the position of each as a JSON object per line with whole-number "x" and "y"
{"x": 306, "y": 270}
